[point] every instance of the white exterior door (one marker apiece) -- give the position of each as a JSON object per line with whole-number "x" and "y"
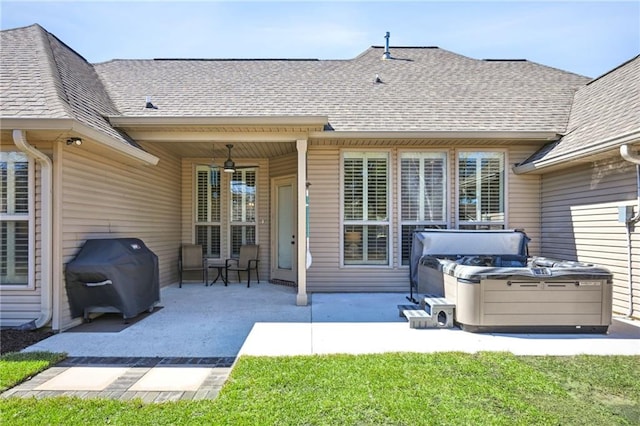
{"x": 284, "y": 228}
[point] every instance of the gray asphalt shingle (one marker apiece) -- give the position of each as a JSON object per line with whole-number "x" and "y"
{"x": 421, "y": 89}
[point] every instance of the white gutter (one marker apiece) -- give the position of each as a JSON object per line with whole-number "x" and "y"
{"x": 634, "y": 158}
{"x": 71, "y": 125}
{"x": 46, "y": 220}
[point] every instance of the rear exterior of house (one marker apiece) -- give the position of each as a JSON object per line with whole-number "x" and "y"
{"x": 377, "y": 147}
{"x": 586, "y": 184}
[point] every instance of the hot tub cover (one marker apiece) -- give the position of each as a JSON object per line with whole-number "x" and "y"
{"x": 120, "y": 272}
{"x": 455, "y": 244}
{"x": 556, "y": 270}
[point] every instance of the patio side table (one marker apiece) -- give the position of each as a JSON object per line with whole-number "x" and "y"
{"x": 220, "y": 266}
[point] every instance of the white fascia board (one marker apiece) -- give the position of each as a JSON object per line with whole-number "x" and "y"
{"x": 284, "y": 120}
{"x": 506, "y": 135}
{"x": 9, "y": 123}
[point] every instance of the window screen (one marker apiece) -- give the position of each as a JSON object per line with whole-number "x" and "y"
{"x": 481, "y": 190}
{"x": 423, "y": 205}
{"x": 207, "y": 210}
{"x": 243, "y": 209}
{"x": 365, "y": 181}
{"x": 14, "y": 222}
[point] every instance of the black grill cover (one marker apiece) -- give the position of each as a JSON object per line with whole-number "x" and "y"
{"x": 119, "y": 273}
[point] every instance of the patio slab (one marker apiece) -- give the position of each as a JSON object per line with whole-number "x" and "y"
{"x": 195, "y": 321}
{"x": 83, "y": 379}
{"x": 219, "y": 321}
{"x": 174, "y": 353}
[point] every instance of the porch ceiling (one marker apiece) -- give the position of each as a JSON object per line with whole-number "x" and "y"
{"x": 218, "y": 150}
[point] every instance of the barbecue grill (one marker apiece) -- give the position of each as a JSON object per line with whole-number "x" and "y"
{"x": 113, "y": 275}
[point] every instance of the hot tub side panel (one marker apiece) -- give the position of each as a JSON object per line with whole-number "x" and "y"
{"x": 531, "y": 306}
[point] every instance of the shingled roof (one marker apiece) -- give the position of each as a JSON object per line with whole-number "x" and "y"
{"x": 605, "y": 114}
{"x": 42, "y": 78}
{"x": 418, "y": 89}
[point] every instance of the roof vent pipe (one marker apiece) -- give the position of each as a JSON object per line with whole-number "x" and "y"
{"x": 386, "y": 54}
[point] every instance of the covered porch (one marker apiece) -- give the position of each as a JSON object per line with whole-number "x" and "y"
{"x": 242, "y": 181}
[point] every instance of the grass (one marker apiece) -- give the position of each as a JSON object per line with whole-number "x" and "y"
{"x": 16, "y": 367}
{"x": 386, "y": 389}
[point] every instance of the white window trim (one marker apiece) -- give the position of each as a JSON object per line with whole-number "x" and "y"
{"x": 388, "y": 223}
{"x": 31, "y": 217}
{"x": 457, "y": 221}
{"x": 447, "y": 195}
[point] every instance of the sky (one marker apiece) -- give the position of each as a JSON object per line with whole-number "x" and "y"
{"x": 584, "y": 37}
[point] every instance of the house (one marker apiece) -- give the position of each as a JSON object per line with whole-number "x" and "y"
{"x": 395, "y": 139}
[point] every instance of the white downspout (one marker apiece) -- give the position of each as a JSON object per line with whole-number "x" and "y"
{"x": 626, "y": 153}
{"x": 46, "y": 241}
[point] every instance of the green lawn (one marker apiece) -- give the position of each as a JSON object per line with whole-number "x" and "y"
{"x": 16, "y": 367}
{"x": 389, "y": 389}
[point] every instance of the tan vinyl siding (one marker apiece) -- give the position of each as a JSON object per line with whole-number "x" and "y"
{"x": 326, "y": 272}
{"x": 524, "y": 198}
{"x": 19, "y": 306}
{"x": 284, "y": 165}
{"x": 103, "y": 198}
{"x": 580, "y": 221}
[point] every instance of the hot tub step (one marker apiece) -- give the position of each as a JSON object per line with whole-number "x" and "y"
{"x": 420, "y": 318}
{"x": 440, "y": 309}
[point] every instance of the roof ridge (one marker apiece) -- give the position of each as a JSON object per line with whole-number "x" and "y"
{"x": 55, "y": 81}
{"x": 238, "y": 59}
{"x": 613, "y": 69}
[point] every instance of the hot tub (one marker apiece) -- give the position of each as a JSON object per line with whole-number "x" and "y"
{"x": 496, "y": 287}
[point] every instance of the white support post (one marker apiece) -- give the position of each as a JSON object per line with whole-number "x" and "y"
{"x": 302, "y": 298}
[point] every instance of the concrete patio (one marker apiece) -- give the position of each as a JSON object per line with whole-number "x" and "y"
{"x": 186, "y": 349}
{"x": 219, "y": 321}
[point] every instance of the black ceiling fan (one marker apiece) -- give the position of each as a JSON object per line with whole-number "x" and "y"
{"x": 229, "y": 165}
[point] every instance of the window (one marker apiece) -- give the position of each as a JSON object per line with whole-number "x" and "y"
{"x": 481, "y": 190}
{"x": 423, "y": 202}
{"x": 365, "y": 208}
{"x": 14, "y": 219}
{"x": 243, "y": 209}
{"x": 208, "y": 202}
